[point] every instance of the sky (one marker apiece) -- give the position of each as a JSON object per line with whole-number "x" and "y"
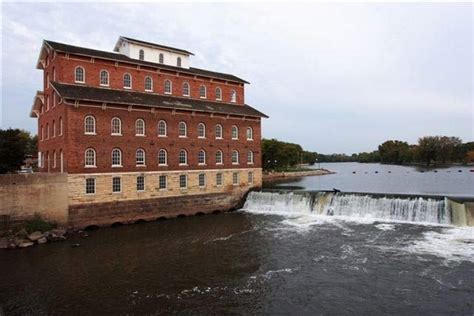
{"x": 335, "y": 78}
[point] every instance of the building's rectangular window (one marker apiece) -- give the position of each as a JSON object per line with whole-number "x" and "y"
{"x": 183, "y": 181}
{"x": 219, "y": 179}
{"x": 162, "y": 183}
{"x": 90, "y": 186}
{"x": 202, "y": 180}
{"x": 140, "y": 183}
{"x": 235, "y": 178}
{"x": 116, "y": 184}
{"x": 250, "y": 177}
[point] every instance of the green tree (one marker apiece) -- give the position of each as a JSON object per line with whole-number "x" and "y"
{"x": 394, "y": 151}
{"x": 14, "y": 145}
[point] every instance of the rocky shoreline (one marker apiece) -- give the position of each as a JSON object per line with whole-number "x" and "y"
{"x": 270, "y": 176}
{"x": 23, "y": 239}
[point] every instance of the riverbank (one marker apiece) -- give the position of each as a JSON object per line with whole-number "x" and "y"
{"x": 277, "y": 175}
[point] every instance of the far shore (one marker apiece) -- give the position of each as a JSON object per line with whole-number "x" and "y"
{"x": 275, "y": 175}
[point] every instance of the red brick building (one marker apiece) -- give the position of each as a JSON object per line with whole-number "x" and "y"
{"x": 140, "y": 124}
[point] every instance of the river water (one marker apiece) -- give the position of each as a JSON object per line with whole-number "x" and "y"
{"x": 283, "y": 253}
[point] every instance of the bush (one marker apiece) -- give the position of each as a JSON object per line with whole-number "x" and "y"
{"x": 38, "y": 224}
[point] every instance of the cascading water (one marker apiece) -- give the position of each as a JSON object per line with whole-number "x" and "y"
{"x": 409, "y": 209}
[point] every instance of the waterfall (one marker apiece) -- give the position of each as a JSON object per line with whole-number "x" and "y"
{"x": 409, "y": 209}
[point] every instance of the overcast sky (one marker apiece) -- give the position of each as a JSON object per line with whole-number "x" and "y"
{"x": 332, "y": 77}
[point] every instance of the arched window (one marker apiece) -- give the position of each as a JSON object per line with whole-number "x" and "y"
{"x": 127, "y": 81}
{"x": 182, "y": 129}
{"x": 218, "y": 94}
{"x": 60, "y": 126}
{"x": 104, "y": 78}
{"x": 250, "y": 157}
{"x": 47, "y": 130}
{"x": 201, "y": 130}
{"x": 89, "y": 125}
{"x": 183, "y": 157}
{"x": 202, "y": 157}
{"x": 233, "y": 96}
{"x": 89, "y": 158}
{"x": 219, "y": 158}
{"x": 116, "y": 125}
{"x": 79, "y": 75}
{"x": 116, "y": 157}
{"x": 178, "y": 62}
{"x": 162, "y": 157}
{"x": 235, "y": 132}
{"x": 54, "y": 128}
{"x": 161, "y": 58}
{"x": 168, "y": 87}
{"x": 218, "y": 131}
{"x": 139, "y": 127}
{"x": 54, "y": 159}
{"x": 249, "y": 133}
{"x": 140, "y": 157}
{"x": 186, "y": 89}
{"x": 202, "y": 92}
{"x": 162, "y": 132}
{"x": 141, "y": 54}
{"x": 42, "y": 132}
{"x": 148, "y": 84}
{"x": 235, "y": 157}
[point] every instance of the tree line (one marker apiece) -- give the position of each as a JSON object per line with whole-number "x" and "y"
{"x": 15, "y": 146}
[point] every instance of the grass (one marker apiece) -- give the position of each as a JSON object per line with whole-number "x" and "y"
{"x": 38, "y": 224}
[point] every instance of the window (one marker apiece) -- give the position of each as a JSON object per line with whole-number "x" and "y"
{"x": 202, "y": 92}
{"x": 219, "y": 160}
{"x": 47, "y": 80}
{"x": 127, "y": 81}
{"x": 183, "y": 157}
{"x": 235, "y": 132}
{"x": 54, "y": 99}
{"x": 178, "y": 62}
{"x": 116, "y": 126}
{"x": 79, "y": 76}
{"x": 42, "y": 132}
{"x": 54, "y": 74}
{"x": 235, "y": 178}
{"x": 116, "y": 184}
{"x": 60, "y": 126}
{"x": 201, "y": 130}
{"x": 162, "y": 157}
{"x": 141, "y": 54}
{"x": 54, "y": 128}
{"x": 202, "y": 180}
{"x": 162, "y": 183}
{"x": 104, "y": 78}
{"x": 161, "y": 59}
{"x": 235, "y": 157}
{"x": 218, "y": 131}
{"x": 47, "y": 130}
{"x": 140, "y": 157}
{"x": 90, "y": 186}
{"x": 250, "y": 177}
{"x": 148, "y": 84}
{"x": 186, "y": 89}
{"x": 250, "y": 157}
{"x": 89, "y": 158}
{"x": 54, "y": 159}
{"x": 183, "y": 181}
{"x": 233, "y": 96}
{"x": 182, "y": 129}
{"x": 141, "y": 183}
{"x": 168, "y": 87}
{"x": 139, "y": 127}
{"x": 89, "y": 125}
{"x": 249, "y": 133}
{"x": 219, "y": 179}
{"x": 202, "y": 157}
{"x": 116, "y": 158}
{"x": 162, "y": 129}
{"x": 218, "y": 94}
{"x": 47, "y": 102}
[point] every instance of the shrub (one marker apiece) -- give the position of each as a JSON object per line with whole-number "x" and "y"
{"x": 39, "y": 224}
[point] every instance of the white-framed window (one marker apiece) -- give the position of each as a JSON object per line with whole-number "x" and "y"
{"x": 233, "y": 96}
{"x": 140, "y": 127}
{"x": 116, "y": 157}
{"x": 202, "y": 91}
{"x": 162, "y": 182}
{"x": 54, "y": 128}
{"x": 90, "y": 185}
{"x": 141, "y": 54}
{"x": 161, "y": 59}
{"x": 182, "y": 129}
{"x": 201, "y": 157}
{"x": 250, "y": 177}
{"x": 201, "y": 130}
{"x": 60, "y": 126}
{"x": 116, "y": 185}
{"x": 148, "y": 84}
{"x": 89, "y": 125}
{"x": 235, "y": 132}
{"x": 235, "y": 178}
{"x": 140, "y": 157}
{"x": 168, "y": 87}
{"x": 140, "y": 183}
{"x": 183, "y": 181}
{"x": 218, "y": 94}
{"x": 249, "y": 133}
{"x": 219, "y": 157}
{"x": 127, "y": 81}
{"x": 218, "y": 131}
{"x": 235, "y": 157}
{"x": 162, "y": 157}
{"x": 183, "y": 157}
{"x": 54, "y": 159}
{"x": 178, "y": 61}
{"x": 250, "y": 157}
{"x": 162, "y": 131}
{"x": 219, "y": 179}
{"x": 202, "y": 180}
{"x": 116, "y": 126}
{"x": 104, "y": 78}
{"x": 79, "y": 74}
{"x": 186, "y": 89}
{"x": 90, "y": 158}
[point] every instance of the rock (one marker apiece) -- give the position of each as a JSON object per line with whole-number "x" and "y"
{"x": 54, "y": 237}
{"x": 75, "y": 245}
{"x": 42, "y": 240}
{"x": 35, "y": 236}
{"x": 25, "y": 243}
{"x": 59, "y": 232}
{"x": 22, "y": 234}
{"x": 4, "y": 243}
